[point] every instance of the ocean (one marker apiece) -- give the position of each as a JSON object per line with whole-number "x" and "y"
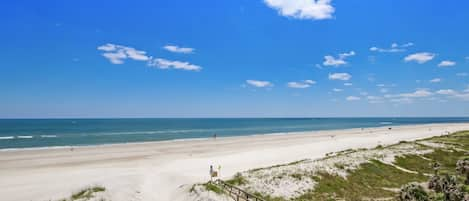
{"x": 28, "y": 133}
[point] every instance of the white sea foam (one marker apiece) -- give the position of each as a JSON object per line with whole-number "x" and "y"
{"x": 48, "y": 136}
{"x": 7, "y": 137}
{"x": 24, "y": 137}
{"x": 385, "y": 122}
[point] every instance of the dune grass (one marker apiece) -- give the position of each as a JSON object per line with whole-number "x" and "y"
{"x": 377, "y": 180}
{"x": 371, "y": 180}
{"x": 86, "y": 194}
{"x": 414, "y": 163}
{"x": 212, "y": 187}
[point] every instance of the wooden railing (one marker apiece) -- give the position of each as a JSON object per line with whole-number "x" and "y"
{"x": 237, "y": 193}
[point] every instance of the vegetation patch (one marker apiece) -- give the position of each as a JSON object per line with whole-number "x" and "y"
{"x": 237, "y": 180}
{"x": 370, "y": 180}
{"x": 86, "y": 194}
{"x": 414, "y": 163}
{"x": 212, "y": 187}
{"x": 395, "y": 172}
{"x": 446, "y": 158}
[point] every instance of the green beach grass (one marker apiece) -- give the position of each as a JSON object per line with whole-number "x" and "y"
{"x": 373, "y": 179}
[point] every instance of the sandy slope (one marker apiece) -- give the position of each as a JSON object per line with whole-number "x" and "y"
{"x": 164, "y": 170}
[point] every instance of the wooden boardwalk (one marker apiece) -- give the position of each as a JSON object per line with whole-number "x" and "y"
{"x": 236, "y": 193}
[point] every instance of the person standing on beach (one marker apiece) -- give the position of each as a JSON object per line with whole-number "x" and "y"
{"x": 211, "y": 172}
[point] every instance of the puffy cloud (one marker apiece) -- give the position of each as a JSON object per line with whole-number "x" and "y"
{"x": 301, "y": 85}
{"x": 340, "y": 76}
{"x": 394, "y": 48}
{"x": 420, "y": 58}
{"x": 408, "y": 97}
{"x": 348, "y": 84}
{"x": 116, "y": 54}
{"x": 446, "y": 63}
{"x": 374, "y": 99}
{"x": 107, "y": 47}
{"x": 401, "y": 100}
{"x": 462, "y": 74}
{"x": 435, "y": 80}
{"x": 455, "y": 94}
{"x": 168, "y": 64}
{"x": 332, "y": 61}
{"x": 417, "y": 94}
{"x": 176, "y": 49}
{"x": 352, "y": 98}
{"x": 384, "y": 90}
{"x": 337, "y": 90}
{"x": 259, "y": 83}
{"x": 298, "y": 85}
{"x": 446, "y": 92}
{"x": 303, "y": 9}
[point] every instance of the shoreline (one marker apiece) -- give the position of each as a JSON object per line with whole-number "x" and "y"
{"x": 211, "y": 138}
{"x": 165, "y": 170}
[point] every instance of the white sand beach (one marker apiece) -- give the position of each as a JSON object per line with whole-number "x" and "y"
{"x": 166, "y": 170}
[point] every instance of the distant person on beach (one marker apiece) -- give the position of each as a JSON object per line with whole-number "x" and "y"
{"x": 215, "y": 136}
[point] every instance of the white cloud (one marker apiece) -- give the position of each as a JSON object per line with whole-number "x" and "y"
{"x": 384, "y": 90}
{"x": 446, "y": 92}
{"x": 115, "y": 57}
{"x": 374, "y": 99}
{"x": 407, "y": 45}
{"x": 301, "y": 85}
{"x": 420, "y": 58}
{"x": 332, "y": 61}
{"x": 337, "y": 90}
{"x": 417, "y": 94}
{"x": 176, "y": 49}
{"x": 259, "y": 83}
{"x": 352, "y": 98}
{"x": 462, "y": 74}
{"x": 408, "y": 97}
{"x": 168, "y": 64}
{"x": 303, "y": 9}
{"x": 394, "y": 48}
{"x": 298, "y": 85}
{"x": 455, "y": 94}
{"x": 116, "y": 54}
{"x": 402, "y": 100}
{"x": 348, "y": 84}
{"x": 435, "y": 80}
{"x": 108, "y": 47}
{"x": 340, "y": 76}
{"x": 446, "y": 63}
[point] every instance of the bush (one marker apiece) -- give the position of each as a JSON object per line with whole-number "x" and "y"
{"x": 413, "y": 192}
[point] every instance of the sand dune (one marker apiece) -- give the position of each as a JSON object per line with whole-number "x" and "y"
{"x": 165, "y": 170}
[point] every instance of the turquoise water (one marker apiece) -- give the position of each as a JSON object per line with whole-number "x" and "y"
{"x": 23, "y": 133}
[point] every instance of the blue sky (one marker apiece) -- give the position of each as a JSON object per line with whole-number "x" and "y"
{"x": 246, "y": 58}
